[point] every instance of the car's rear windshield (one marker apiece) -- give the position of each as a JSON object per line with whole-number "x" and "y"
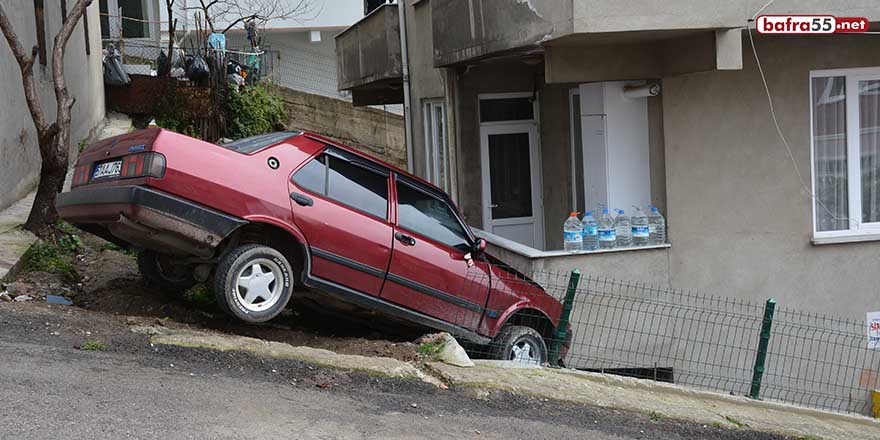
{"x": 254, "y": 143}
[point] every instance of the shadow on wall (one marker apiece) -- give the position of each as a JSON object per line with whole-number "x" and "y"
{"x": 371, "y": 130}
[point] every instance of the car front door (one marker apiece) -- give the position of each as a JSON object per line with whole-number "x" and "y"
{"x": 340, "y": 202}
{"x": 431, "y": 269}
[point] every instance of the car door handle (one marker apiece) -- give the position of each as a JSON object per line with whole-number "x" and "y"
{"x": 301, "y": 200}
{"x": 405, "y": 239}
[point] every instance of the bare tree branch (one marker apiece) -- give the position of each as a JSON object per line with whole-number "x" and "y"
{"x": 234, "y": 12}
{"x": 63, "y": 101}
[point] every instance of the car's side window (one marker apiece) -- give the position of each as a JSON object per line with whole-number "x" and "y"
{"x": 347, "y": 179}
{"x": 313, "y": 176}
{"x": 429, "y": 216}
{"x": 357, "y": 186}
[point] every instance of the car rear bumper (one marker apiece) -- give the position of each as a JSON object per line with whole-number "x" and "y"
{"x": 148, "y": 218}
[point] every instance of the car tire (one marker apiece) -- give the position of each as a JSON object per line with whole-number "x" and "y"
{"x": 253, "y": 283}
{"x": 517, "y": 342}
{"x": 163, "y": 272}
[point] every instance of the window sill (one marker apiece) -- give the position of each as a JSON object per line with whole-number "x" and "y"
{"x": 853, "y": 238}
{"x": 533, "y": 253}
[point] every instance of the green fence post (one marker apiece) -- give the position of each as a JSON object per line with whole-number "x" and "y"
{"x": 562, "y": 329}
{"x": 761, "y": 355}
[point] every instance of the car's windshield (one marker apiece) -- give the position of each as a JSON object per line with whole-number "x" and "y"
{"x": 250, "y": 144}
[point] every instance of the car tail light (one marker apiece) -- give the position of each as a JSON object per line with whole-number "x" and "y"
{"x": 146, "y": 164}
{"x": 81, "y": 175}
{"x": 143, "y": 165}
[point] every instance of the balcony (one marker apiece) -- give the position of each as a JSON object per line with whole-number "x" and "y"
{"x": 368, "y": 58}
{"x": 466, "y": 31}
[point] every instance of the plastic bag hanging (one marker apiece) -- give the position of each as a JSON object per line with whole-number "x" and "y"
{"x": 198, "y": 70}
{"x": 114, "y": 71}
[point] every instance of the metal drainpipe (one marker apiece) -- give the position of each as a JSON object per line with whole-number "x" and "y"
{"x": 404, "y": 58}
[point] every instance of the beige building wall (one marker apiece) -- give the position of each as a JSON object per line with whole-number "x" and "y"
{"x": 740, "y": 220}
{"x": 426, "y": 81}
{"x": 19, "y": 154}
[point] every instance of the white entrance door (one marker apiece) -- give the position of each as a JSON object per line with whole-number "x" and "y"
{"x": 511, "y": 172}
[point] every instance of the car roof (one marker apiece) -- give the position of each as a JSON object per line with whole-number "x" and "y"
{"x": 319, "y": 138}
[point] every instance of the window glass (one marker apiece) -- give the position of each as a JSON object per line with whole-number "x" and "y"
{"x": 134, "y": 9}
{"x": 251, "y": 144}
{"x": 510, "y": 175}
{"x": 105, "y": 19}
{"x": 437, "y": 151}
{"x": 869, "y": 140}
{"x": 506, "y": 109}
{"x": 440, "y": 127}
{"x": 829, "y": 150}
{"x": 357, "y": 187}
{"x": 430, "y": 217}
{"x": 313, "y": 176}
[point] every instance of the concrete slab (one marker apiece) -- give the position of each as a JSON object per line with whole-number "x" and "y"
{"x": 14, "y": 240}
{"x": 662, "y": 400}
{"x": 381, "y": 366}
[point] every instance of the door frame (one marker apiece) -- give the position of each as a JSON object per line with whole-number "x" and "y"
{"x": 576, "y": 91}
{"x": 529, "y": 126}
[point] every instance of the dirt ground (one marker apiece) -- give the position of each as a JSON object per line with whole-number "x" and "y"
{"x": 108, "y": 281}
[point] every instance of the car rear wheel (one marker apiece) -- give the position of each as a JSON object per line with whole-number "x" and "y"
{"x": 253, "y": 283}
{"x": 519, "y": 343}
{"x": 165, "y": 272}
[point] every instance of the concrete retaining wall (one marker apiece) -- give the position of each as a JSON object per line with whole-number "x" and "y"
{"x": 373, "y": 131}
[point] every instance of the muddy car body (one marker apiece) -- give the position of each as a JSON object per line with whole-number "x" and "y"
{"x": 259, "y": 216}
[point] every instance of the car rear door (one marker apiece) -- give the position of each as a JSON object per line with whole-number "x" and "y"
{"x": 340, "y": 202}
{"x": 431, "y": 270}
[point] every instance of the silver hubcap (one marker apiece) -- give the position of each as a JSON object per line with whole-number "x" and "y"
{"x": 524, "y": 352}
{"x": 259, "y": 285}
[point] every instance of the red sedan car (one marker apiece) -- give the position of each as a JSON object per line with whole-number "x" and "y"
{"x": 259, "y": 216}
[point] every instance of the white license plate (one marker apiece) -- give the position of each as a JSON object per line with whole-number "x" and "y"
{"x": 107, "y": 169}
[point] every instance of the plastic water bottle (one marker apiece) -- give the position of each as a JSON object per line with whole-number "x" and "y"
{"x": 591, "y": 232}
{"x": 623, "y": 228}
{"x": 607, "y": 233}
{"x": 571, "y": 236}
{"x": 656, "y": 227}
{"x": 640, "y": 231}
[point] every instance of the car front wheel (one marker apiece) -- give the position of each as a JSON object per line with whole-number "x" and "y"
{"x": 253, "y": 283}
{"x": 519, "y": 343}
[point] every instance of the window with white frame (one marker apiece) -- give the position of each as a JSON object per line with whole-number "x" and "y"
{"x": 127, "y": 18}
{"x": 436, "y": 146}
{"x": 845, "y": 107}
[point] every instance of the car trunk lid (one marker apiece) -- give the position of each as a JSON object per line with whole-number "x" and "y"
{"x": 120, "y": 157}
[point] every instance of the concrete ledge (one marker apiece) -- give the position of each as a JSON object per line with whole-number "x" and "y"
{"x": 14, "y": 241}
{"x": 533, "y": 253}
{"x": 661, "y": 400}
{"x": 380, "y": 366}
{"x": 853, "y": 238}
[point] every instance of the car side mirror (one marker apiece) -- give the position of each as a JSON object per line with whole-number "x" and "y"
{"x": 479, "y": 247}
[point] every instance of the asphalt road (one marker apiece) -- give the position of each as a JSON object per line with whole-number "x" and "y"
{"x": 49, "y": 389}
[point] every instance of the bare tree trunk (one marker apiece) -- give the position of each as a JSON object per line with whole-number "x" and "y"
{"x": 172, "y": 27}
{"x": 53, "y": 171}
{"x": 54, "y": 138}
